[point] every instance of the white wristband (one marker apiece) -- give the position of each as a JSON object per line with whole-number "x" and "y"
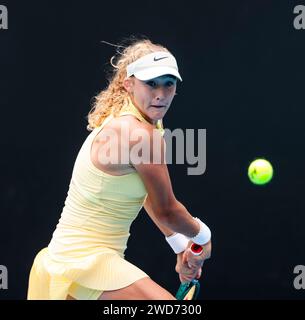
{"x": 204, "y": 234}
{"x": 178, "y": 242}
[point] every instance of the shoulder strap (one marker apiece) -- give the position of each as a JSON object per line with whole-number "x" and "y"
{"x": 129, "y": 108}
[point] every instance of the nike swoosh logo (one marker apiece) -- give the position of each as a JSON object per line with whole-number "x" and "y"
{"x": 157, "y": 59}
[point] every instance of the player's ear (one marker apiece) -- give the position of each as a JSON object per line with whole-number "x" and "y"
{"x": 128, "y": 84}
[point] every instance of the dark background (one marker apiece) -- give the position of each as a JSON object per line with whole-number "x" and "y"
{"x": 243, "y": 69}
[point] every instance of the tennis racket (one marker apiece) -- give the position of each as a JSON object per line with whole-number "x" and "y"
{"x": 190, "y": 290}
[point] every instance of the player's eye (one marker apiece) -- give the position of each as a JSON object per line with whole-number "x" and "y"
{"x": 169, "y": 83}
{"x": 151, "y": 83}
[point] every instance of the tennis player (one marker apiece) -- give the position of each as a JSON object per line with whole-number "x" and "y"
{"x": 85, "y": 257}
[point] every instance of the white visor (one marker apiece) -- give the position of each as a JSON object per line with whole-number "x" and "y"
{"x": 154, "y": 65}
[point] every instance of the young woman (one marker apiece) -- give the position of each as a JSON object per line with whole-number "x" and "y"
{"x": 112, "y": 179}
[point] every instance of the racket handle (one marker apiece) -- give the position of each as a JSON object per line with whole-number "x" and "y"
{"x": 196, "y": 249}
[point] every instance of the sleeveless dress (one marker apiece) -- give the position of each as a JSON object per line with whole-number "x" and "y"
{"x": 86, "y": 253}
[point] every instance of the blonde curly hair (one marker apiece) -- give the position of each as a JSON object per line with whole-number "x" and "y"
{"x": 110, "y": 100}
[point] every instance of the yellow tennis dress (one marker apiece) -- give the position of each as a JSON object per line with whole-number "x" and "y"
{"x": 86, "y": 254}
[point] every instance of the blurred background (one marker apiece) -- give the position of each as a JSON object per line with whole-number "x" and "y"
{"x": 243, "y": 70}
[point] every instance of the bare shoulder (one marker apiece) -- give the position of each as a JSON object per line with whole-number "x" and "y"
{"x": 123, "y": 142}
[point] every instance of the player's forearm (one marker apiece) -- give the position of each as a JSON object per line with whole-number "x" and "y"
{"x": 178, "y": 219}
{"x": 148, "y": 208}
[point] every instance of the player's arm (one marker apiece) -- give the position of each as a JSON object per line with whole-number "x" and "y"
{"x": 169, "y": 215}
{"x": 186, "y": 273}
{"x": 148, "y": 208}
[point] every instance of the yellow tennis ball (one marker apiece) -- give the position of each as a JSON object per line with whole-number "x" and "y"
{"x": 260, "y": 171}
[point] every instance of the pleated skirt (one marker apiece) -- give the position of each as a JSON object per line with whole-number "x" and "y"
{"x": 104, "y": 271}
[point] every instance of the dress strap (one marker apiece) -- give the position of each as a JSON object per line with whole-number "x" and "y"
{"x": 130, "y": 108}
